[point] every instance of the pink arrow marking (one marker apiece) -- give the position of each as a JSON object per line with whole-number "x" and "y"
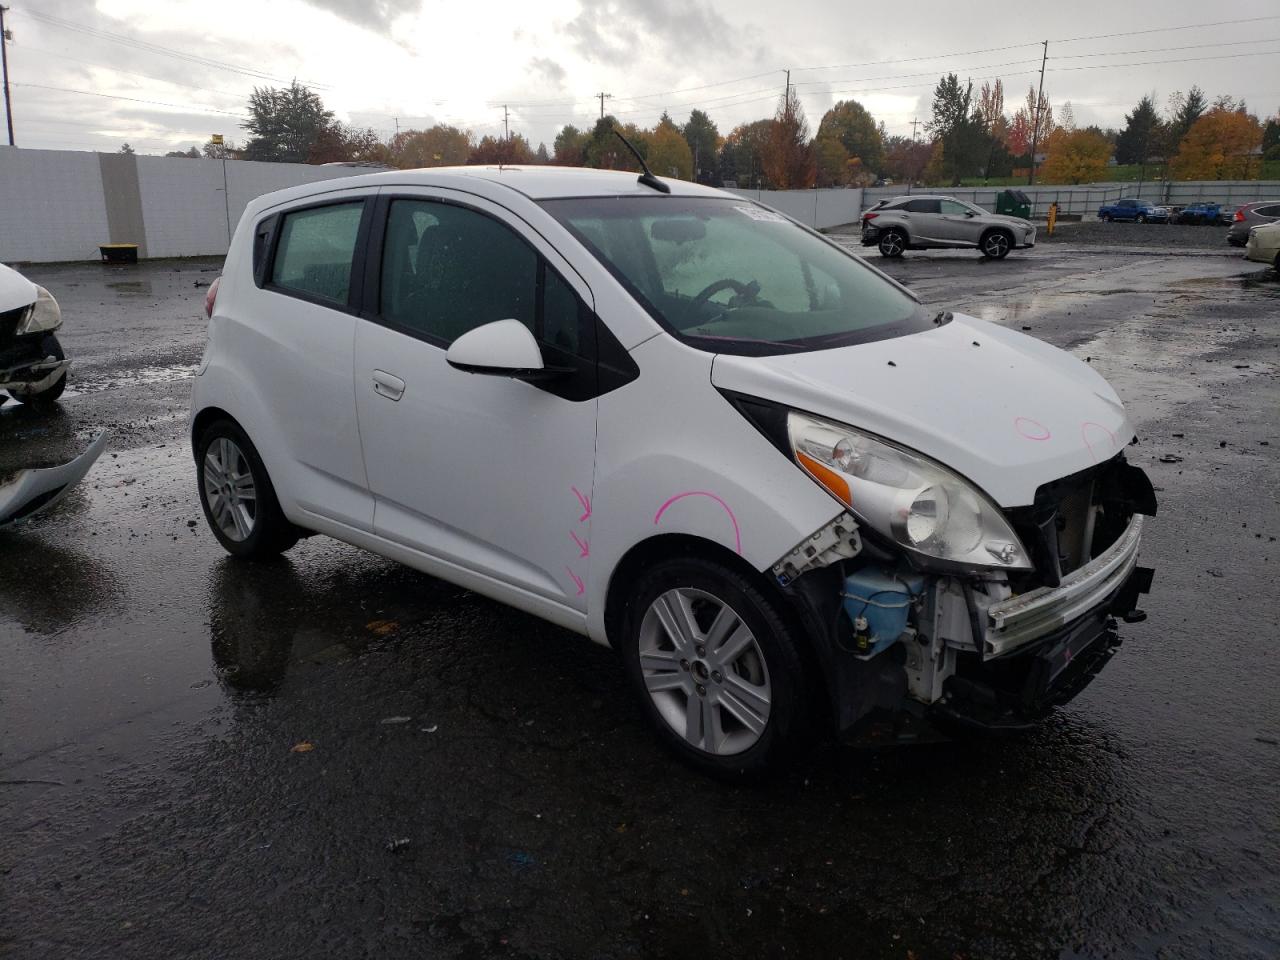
{"x": 582, "y": 587}
{"x": 586, "y": 505}
{"x": 583, "y": 545}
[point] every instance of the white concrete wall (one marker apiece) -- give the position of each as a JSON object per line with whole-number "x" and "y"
{"x": 817, "y": 208}
{"x": 51, "y": 205}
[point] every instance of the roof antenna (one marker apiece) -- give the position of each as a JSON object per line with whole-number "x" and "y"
{"x": 647, "y": 178}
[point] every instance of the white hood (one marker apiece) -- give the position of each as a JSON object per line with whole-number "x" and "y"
{"x": 15, "y": 289}
{"x": 1010, "y": 413}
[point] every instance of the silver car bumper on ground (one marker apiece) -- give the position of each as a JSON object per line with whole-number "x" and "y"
{"x": 1029, "y": 616}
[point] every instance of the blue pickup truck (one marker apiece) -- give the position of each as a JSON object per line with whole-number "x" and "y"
{"x": 1139, "y": 211}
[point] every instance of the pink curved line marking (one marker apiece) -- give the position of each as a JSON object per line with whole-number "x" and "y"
{"x": 1023, "y": 424}
{"x": 582, "y": 587}
{"x": 737, "y": 534}
{"x": 1084, "y": 435}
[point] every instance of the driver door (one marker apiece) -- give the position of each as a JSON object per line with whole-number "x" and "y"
{"x": 486, "y": 473}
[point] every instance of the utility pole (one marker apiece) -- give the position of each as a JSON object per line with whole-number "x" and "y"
{"x": 1035, "y": 124}
{"x": 915, "y": 132}
{"x": 603, "y": 96}
{"x": 506, "y": 127}
{"x": 4, "y": 66}
{"x": 787, "y": 96}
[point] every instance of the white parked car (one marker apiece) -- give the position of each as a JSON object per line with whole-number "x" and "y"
{"x": 681, "y": 424}
{"x": 33, "y": 367}
{"x": 1264, "y": 244}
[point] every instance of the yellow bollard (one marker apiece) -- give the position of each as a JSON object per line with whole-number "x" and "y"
{"x": 1053, "y": 216}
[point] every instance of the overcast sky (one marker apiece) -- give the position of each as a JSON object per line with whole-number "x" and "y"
{"x": 426, "y": 61}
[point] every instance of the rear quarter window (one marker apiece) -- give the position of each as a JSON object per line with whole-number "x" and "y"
{"x": 316, "y": 249}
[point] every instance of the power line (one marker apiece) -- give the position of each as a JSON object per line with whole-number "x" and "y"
{"x": 131, "y": 73}
{"x": 1149, "y": 63}
{"x": 1189, "y": 26}
{"x": 113, "y": 96}
{"x": 150, "y": 47}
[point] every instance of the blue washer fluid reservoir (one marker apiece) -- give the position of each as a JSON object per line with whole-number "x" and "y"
{"x": 878, "y": 602}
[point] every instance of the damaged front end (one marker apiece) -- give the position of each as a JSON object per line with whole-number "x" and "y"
{"x": 909, "y": 647}
{"x": 32, "y": 364}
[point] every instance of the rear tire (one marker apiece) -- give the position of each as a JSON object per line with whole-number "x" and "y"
{"x": 1141, "y": 218}
{"x": 892, "y": 244}
{"x": 237, "y": 497}
{"x": 1106, "y": 218}
{"x": 718, "y": 668}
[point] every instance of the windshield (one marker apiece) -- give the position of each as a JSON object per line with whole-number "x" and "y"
{"x": 729, "y": 276}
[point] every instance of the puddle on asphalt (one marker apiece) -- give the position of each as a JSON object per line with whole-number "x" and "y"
{"x": 141, "y": 376}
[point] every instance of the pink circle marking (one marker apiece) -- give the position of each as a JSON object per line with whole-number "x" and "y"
{"x": 737, "y": 535}
{"x": 1031, "y": 429}
{"x": 1084, "y": 435}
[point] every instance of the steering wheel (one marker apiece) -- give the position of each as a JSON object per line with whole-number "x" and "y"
{"x": 746, "y": 291}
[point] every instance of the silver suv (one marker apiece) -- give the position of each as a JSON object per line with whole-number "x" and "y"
{"x": 919, "y": 222}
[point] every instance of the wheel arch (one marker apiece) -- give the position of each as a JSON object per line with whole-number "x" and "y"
{"x": 667, "y": 546}
{"x": 200, "y": 423}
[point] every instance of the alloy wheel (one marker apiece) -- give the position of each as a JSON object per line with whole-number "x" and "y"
{"x": 996, "y": 245}
{"x": 891, "y": 244}
{"x": 704, "y": 671}
{"x": 229, "y": 489}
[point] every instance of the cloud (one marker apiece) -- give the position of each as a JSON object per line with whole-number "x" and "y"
{"x": 607, "y": 32}
{"x": 550, "y": 70}
{"x": 376, "y": 15}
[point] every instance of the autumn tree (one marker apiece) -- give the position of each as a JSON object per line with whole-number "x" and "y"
{"x": 1271, "y": 139}
{"x": 742, "y": 154}
{"x": 192, "y": 154}
{"x": 220, "y": 151}
{"x": 856, "y": 130}
{"x": 340, "y": 143}
{"x": 788, "y": 156}
{"x": 905, "y": 158}
{"x": 996, "y": 125}
{"x": 1219, "y": 146}
{"x": 540, "y": 155}
{"x": 1185, "y": 110}
{"x": 1018, "y": 137}
{"x": 831, "y": 160}
{"x": 958, "y": 127}
{"x": 285, "y": 123}
{"x": 1142, "y": 132}
{"x": 1075, "y": 156}
{"x": 603, "y": 149}
{"x": 703, "y": 138}
{"x": 437, "y": 146}
{"x": 501, "y": 150}
{"x": 570, "y": 147}
{"x": 669, "y": 153}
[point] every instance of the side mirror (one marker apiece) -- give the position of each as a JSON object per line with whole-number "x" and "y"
{"x": 504, "y": 348}
{"x": 970, "y": 213}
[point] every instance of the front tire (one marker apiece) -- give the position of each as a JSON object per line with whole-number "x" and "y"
{"x": 997, "y": 244}
{"x": 1141, "y": 218}
{"x": 46, "y": 399}
{"x": 717, "y": 667}
{"x": 237, "y": 497}
{"x": 893, "y": 244}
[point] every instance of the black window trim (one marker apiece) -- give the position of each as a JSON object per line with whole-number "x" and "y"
{"x": 613, "y": 365}
{"x": 359, "y": 253}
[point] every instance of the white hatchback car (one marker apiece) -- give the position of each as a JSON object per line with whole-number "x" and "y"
{"x": 679, "y": 423}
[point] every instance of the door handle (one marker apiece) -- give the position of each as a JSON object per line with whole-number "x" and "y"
{"x": 386, "y": 385}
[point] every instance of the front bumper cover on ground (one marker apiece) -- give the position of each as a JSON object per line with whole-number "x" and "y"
{"x": 38, "y": 489}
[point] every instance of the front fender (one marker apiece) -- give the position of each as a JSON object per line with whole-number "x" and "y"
{"x": 674, "y": 457}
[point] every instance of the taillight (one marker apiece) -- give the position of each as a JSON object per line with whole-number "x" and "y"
{"x": 869, "y": 216}
{"x": 211, "y": 297}
{"x": 1238, "y": 217}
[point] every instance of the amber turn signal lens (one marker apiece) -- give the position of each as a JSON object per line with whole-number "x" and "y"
{"x": 827, "y": 477}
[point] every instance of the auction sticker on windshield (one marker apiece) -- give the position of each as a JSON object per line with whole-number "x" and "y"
{"x": 756, "y": 213}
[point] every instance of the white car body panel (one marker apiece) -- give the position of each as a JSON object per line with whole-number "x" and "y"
{"x": 1264, "y": 243}
{"x": 1009, "y": 415}
{"x": 15, "y": 290}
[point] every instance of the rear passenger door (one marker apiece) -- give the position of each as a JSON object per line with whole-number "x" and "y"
{"x": 297, "y": 353}
{"x": 923, "y": 220}
{"x": 485, "y": 473}
{"x": 957, "y": 224}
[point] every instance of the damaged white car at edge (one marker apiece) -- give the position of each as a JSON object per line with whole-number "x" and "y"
{"x": 33, "y": 368}
{"x": 683, "y": 425}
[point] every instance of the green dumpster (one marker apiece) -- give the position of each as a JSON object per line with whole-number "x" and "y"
{"x": 1014, "y": 203}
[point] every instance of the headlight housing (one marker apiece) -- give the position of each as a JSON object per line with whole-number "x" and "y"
{"x": 925, "y": 508}
{"x": 43, "y": 315}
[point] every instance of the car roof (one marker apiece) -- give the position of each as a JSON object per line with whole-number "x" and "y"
{"x": 537, "y": 182}
{"x": 925, "y": 196}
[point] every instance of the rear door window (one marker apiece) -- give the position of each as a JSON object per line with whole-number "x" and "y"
{"x": 316, "y": 249}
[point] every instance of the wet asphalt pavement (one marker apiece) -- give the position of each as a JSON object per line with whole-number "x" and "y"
{"x": 335, "y": 756}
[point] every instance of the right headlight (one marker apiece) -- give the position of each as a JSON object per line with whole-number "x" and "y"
{"x": 927, "y": 509}
{"x": 43, "y": 315}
